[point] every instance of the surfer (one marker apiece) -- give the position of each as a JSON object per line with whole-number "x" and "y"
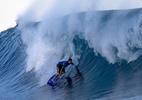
{"x": 61, "y": 68}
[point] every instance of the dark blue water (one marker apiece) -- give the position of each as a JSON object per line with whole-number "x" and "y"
{"x": 101, "y": 79}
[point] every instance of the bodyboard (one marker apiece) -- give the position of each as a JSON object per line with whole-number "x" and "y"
{"x": 51, "y": 83}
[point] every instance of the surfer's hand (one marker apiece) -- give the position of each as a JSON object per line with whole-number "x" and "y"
{"x": 52, "y": 80}
{"x": 60, "y": 74}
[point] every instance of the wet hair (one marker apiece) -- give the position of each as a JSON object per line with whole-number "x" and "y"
{"x": 69, "y": 59}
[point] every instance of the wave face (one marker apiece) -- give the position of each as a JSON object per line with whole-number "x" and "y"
{"x": 107, "y": 45}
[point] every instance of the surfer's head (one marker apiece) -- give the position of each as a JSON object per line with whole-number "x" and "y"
{"x": 70, "y": 61}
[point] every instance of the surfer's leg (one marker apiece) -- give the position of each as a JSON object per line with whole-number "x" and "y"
{"x": 57, "y": 75}
{"x": 63, "y": 71}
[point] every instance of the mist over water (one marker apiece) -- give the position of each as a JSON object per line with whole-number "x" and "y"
{"x": 50, "y": 9}
{"x": 99, "y": 29}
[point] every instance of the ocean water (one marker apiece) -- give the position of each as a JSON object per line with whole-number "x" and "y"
{"x": 107, "y": 46}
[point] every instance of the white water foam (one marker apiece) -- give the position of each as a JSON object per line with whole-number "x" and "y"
{"x": 51, "y": 41}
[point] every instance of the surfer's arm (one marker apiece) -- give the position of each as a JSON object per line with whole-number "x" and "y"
{"x": 74, "y": 65}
